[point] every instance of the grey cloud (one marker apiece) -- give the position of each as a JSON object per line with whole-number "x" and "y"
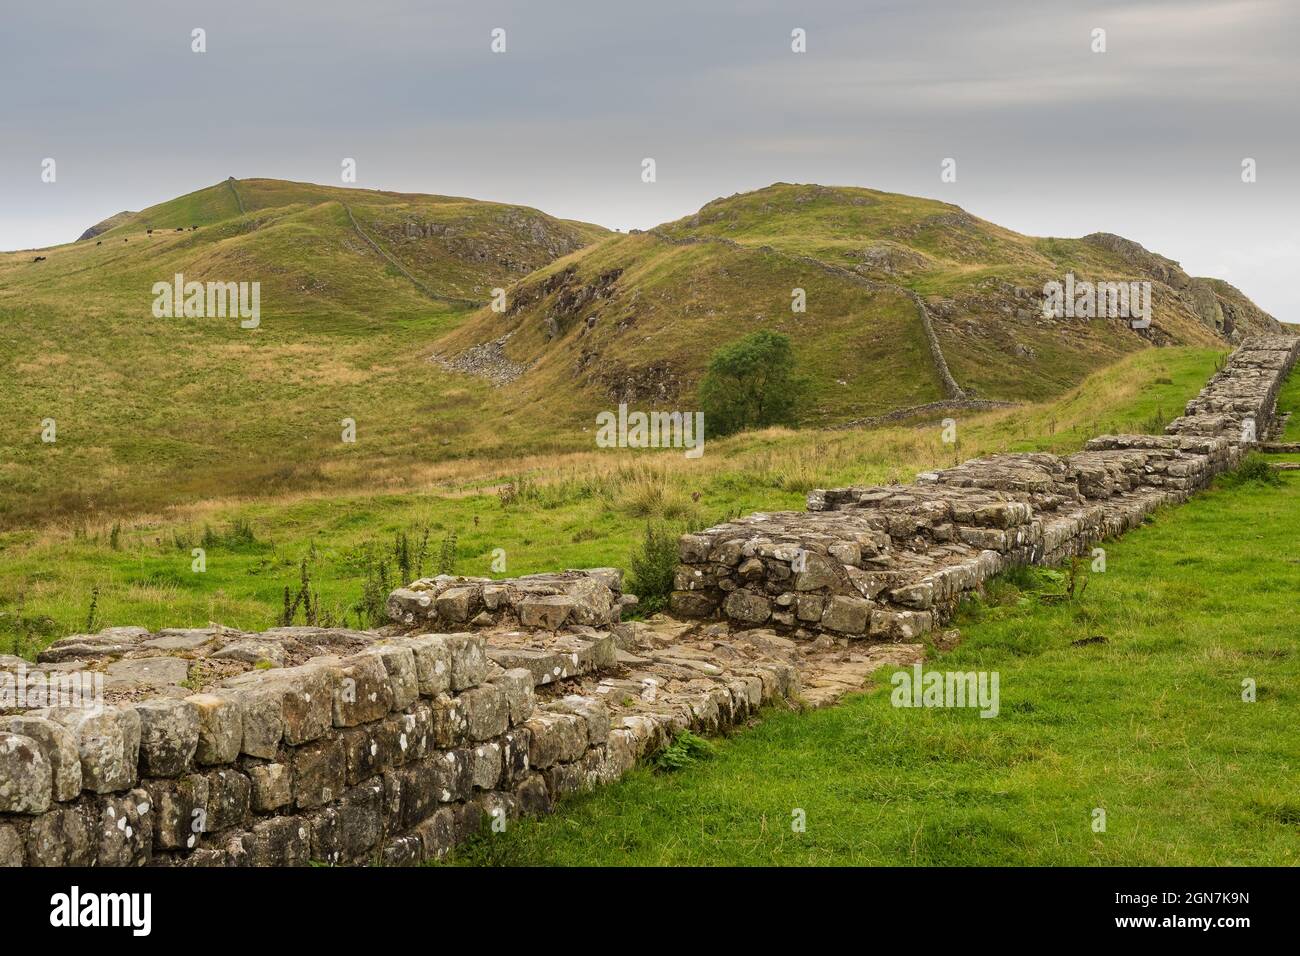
{"x": 1145, "y": 140}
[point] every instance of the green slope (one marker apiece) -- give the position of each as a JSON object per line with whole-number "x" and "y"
{"x": 153, "y": 410}
{"x": 635, "y": 318}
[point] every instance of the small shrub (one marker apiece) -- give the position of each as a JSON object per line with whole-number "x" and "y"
{"x": 92, "y": 616}
{"x": 447, "y": 555}
{"x": 652, "y": 566}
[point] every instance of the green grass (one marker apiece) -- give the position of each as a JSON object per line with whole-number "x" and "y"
{"x": 1288, "y": 400}
{"x": 1149, "y": 726}
{"x": 579, "y": 510}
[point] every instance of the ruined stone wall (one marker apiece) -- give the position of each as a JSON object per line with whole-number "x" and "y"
{"x": 214, "y": 747}
{"x": 891, "y": 562}
{"x": 487, "y": 699}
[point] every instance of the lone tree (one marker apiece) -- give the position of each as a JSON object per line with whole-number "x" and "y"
{"x": 750, "y": 384}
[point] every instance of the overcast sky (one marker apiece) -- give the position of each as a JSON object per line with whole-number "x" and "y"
{"x": 1050, "y": 138}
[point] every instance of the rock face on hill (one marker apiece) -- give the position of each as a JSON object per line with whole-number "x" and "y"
{"x": 100, "y": 228}
{"x": 1219, "y": 305}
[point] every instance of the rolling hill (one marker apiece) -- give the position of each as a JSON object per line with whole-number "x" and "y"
{"x": 375, "y": 308}
{"x": 355, "y": 284}
{"x": 635, "y": 318}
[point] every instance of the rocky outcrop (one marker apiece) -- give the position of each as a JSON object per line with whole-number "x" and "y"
{"x": 1217, "y": 304}
{"x": 99, "y": 228}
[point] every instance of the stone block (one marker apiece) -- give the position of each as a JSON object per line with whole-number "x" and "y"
{"x": 319, "y": 773}
{"x": 169, "y": 736}
{"x": 403, "y": 680}
{"x": 57, "y": 745}
{"x": 517, "y": 686}
{"x": 26, "y": 779}
{"x": 433, "y": 660}
{"x": 272, "y": 786}
{"x": 486, "y": 711}
{"x": 221, "y": 728}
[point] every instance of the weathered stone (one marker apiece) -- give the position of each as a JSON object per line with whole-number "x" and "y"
{"x": 319, "y": 773}
{"x": 108, "y": 643}
{"x": 456, "y": 605}
{"x": 180, "y": 810}
{"x": 261, "y": 718}
{"x": 65, "y": 836}
{"x": 545, "y": 611}
{"x": 593, "y": 712}
{"x": 818, "y": 572}
{"x": 468, "y": 661}
{"x": 517, "y": 685}
{"x": 399, "y": 662}
{"x": 555, "y": 737}
{"x": 150, "y": 671}
{"x": 450, "y": 724}
{"x": 362, "y": 691}
{"x": 304, "y": 695}
{"x": 221, "y": 728}
{"x": 169, "y": 736}
{"x": 108, "y": 742}
{"x": 692, "y": 604}
{"x": 125, "y": 829}
{"x": 847, "y": 615}
{"x": 272, "y": 786}
{"x": 59, "y": 748}
{"x": 252, "y": 651}
{"x": 515, "y": 745}
{"x": 747, "y": 607}
{"x": 11, "y": 847}
{"x": 433, "y": 661}
{"x": 26, "y": 781}
{"x": 486, "y": 711}
{"x": 485, "y": 765}
{"x": 229, "y": 799}
{"x": 279, "y": 841}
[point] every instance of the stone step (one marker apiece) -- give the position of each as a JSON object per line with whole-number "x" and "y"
{"x": 1285, "y": 465}
{"x": 1280, "y": 447}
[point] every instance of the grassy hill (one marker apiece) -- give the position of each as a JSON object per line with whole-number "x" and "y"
{"x": 375, "y": 308}
{"x": 636, "y": 317}
{"x": 150, "y": 410}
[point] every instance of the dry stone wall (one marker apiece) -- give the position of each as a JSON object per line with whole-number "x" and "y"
{"x": 213, "y": 747}
{"x": 487, "y": 699}
{"x": 891, "y": 562}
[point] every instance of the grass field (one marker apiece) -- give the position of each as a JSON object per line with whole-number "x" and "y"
{"x": 1148, "y": 725}
{"x": 578, "y": 510}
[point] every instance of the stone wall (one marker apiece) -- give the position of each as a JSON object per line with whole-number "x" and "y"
{"x": 891, "y": 562}
{"x": 214, "y": 747}
{"x": 487, "y": 699}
